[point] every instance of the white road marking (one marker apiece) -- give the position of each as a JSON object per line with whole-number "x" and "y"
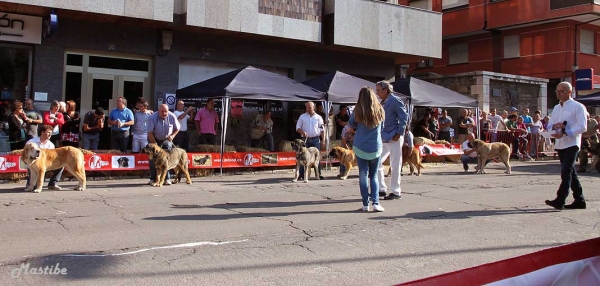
{"x": 191, "y": 244}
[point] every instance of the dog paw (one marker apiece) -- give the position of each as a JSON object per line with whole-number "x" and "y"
{"x": 188, "y": 182}
{"x": 306, "y": 181}
{"x": 175, "y": 182}
{"x": 81, "y": 189}
{"x": 37, "y": 190}
{"x": 156, "y": 185}
{"x": 343, "y": 178}
{"x": 418, "y": 174}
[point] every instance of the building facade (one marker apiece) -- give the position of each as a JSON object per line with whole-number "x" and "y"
{"x": 95, "y": 51}
{"x": 547, "y": 39}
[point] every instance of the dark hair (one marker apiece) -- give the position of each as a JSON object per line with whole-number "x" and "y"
{"x": 343, "y": 106}
{"x": 47, "y": 128}
{"x": 512, "y": 116}
{"x": 99, "y": 111}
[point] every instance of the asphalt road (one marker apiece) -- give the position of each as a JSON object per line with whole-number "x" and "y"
{"x": 262, "y": 229}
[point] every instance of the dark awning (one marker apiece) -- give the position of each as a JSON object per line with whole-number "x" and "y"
{"x": 590, "y": 99}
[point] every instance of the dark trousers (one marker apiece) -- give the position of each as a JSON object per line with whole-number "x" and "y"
{"x": 182, "y": 140}
{"x": 207, "y": 138}
{"x": 445, "y": 135}
{"x": 315, "y": 142}
{"x": 55, "y": 139}
{"x": 267, "y": 138}
{"x": 568, "y": 175}
{"x": 465, "y": 160}
{"x": 119, "y": 140}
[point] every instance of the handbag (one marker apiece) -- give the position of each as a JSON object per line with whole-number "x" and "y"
{"x": 256, "y": 133}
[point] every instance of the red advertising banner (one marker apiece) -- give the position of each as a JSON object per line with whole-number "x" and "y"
{"x": 440, "y": 149}
{"x": 115, "y": 162}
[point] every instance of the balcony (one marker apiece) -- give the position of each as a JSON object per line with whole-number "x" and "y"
{"x": 276, "y": 18}
{"x": 158, "y": 10}
{"x": 384, "y": 27}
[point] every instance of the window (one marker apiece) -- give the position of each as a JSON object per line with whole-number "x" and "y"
{"x": 425, "y": 64}
{"x": 450, "y": 4}
{"x": 458, "y": 54}
{"x": 512, "y": 46}
{"x": 586, "y": 42}
{"x": 559, "y": 4}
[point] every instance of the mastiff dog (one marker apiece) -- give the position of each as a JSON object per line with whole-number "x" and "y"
{"x": 41, "y": 160}
{"x": 488, "y": 151}
{"x": 164, "y": 160}
{"x": 307, "y": 157}
{"x": 347, "y": 159}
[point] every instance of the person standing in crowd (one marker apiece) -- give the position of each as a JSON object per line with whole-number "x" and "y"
{"x": 496, "y": 123}
{"x": 44, "y": 142}
{"x": 392, "y": 138}
{"x": 206, "y": 123}
{"x": 182, "y": 140}
{"x": 140, "y": 126}
{"x": 62, "y": 107}
{"x": 16, "y": 126}
{"x": 341, "y": 119}
{"x": 34, "y": 119}
{"x": 367, "y": 120}
{"x": 433, "y": 126}
{"x": 69, "y": 135}
{"x": 484, "y": 126}
{"x": 589, "y": 136}
{"x": 445, "y": 123}
{"x": 464, "y": 124}
{"x": 536, "y": 127}
{"x": 121, "y": 118}
{"x": 310, "y": 126}
{"x": 55, "y": 119}
{"x": 93, "y": 123}
{"x": 422, "y": 127}
{"x": 262, "y": 130}
{"x": 528, "y": 120}
{"x": 569, "y": 122}
{"x": 163, "y": 126}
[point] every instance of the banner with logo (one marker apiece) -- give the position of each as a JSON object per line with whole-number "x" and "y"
{"x": 113, "y": 162}
{"x": 440, "y": 149}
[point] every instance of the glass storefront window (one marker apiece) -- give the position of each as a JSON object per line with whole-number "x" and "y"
{"x": 14, "y": 76}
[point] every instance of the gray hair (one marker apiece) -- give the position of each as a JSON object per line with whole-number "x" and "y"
{"x": 385, "y": 85}
{"x": 567, "y": 85}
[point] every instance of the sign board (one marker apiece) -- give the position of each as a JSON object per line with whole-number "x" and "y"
{"x": 171, "y": 100}
{"x": 20, "y": 28}
{"x": 584, "y": 79}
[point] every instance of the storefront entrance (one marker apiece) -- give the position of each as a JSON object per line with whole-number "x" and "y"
{"x": 98, "y": 80}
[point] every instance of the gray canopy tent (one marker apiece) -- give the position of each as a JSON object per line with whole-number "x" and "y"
{"x": 248, "y": 83}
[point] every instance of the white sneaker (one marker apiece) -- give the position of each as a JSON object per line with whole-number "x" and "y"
{"x": 378, "y": 208}
{"x": 150, "y": 182}
{"x": 167, "y": 182}
{"x": 365, "y": 209}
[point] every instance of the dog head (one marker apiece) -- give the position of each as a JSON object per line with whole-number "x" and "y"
{"x": 123, "y": 162}
{"x": 298, "y": 144}
{"x": 477, "y": 143}
{"x": 151, "y": 149}
{"x": 336, "y": 152}
{"x": 31, "y": 152}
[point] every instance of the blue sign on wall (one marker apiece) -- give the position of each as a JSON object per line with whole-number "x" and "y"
{"x": 584, "y": 79}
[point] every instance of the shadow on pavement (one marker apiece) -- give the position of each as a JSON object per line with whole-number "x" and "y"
{"x": 248, "y": 205}
{"x": 433, "y": 215}
{"x": 239, "y": 215}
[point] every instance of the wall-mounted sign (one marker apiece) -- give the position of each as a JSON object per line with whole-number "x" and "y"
{"x": 50, "y": 25}
{"x": 20, "y": 28}
{"x": 584, "y": 79}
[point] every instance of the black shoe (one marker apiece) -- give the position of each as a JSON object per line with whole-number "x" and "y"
{"x": 382, "y": 194}
{"x": 321, "y": 178}
{"x": 555, "y": 204}
{"x": 581, "y": 171}
{"x": 576, "y": 206}
{"x": 392, "y": 196}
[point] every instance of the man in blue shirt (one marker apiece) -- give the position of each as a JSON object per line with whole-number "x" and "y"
{"x": 121, "y": 119}
{"x": 392, "y": 136}
{"x": 527, "y": 119}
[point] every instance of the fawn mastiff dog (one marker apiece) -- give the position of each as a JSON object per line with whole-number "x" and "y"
{"x": 307, "y": 157}
{"x": 487, "y": 151}
{"x": 41, "y": 160}
{"x": 347, "y": 159}
{"x": 165, "y": 160}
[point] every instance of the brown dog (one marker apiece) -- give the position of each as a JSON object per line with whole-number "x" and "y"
{"x": 347, "y": 159}
{"x": 41, "y": 160}
{"x": 487, "y": 151}
{"x": 594, "y": 149}
{"x": 164, "y": 161}
{"x": 412, "y": 158}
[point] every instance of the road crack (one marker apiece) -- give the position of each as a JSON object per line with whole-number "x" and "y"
{"x": 121, "y": 215}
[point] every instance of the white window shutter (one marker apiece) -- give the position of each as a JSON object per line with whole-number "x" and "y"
{"x": 449, "y": 4}
{"x": 458, "y": 53}
{"x": 586, "y": 42}
{"x": 512, "y": 46}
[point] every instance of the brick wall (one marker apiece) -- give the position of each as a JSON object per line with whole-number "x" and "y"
{"x": 523, "y": 95}
{"x": 309, "y": 10}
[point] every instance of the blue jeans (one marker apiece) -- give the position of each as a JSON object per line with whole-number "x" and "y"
{"x": 90, "y": 142}
{"x": 466, "y": 160}
{"x": 316, "y": 142}
{"x": 368, "y": 169}
{"x": 568, "y": 175}
{"x": 167, "y": 145}
{"x": 55, "y": 178}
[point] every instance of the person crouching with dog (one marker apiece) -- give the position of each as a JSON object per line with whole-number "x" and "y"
{"x": 366, "y": 121}
{"x": 44, "y": 142}
{"x": 163, "y": 126}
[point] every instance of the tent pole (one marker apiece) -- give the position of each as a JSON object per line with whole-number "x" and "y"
{"x": 224, "y": 115}
{"x": 476, "y": 119}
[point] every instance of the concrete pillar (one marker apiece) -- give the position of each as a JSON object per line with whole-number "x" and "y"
{"x": 543, "y": 99}
{"x": 481, "y": 91}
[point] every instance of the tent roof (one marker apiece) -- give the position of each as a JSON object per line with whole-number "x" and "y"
{"x": 590, "y": 99}
{"x": 251, "y": 83}
{"x": 340, "y": 87}
{"x": 424, "y": 93}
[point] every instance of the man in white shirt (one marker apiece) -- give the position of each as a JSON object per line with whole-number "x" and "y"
{"x": 43, "y": 141}
{"x": 497, "y": 124}
{"x": 569, "y": 122}
{"x": 310, "y": 127}
{"x": 181, "y": 139}
{"x": 469, "y": 154}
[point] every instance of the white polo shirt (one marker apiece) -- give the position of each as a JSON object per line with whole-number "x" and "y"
{"x": 574, "y": 114}
{"x": 47, "y": 145}
{"x": 312, "y": 125}
{"x": 182, "y": 122}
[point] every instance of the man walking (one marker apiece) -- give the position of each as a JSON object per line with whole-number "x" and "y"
{"x": 121, "y": 119}
{"x": 163, "y": 126}
{"x": 310, "y": 126}
{"x": 569, "y": 122}
{"x": 392, "y": 137}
